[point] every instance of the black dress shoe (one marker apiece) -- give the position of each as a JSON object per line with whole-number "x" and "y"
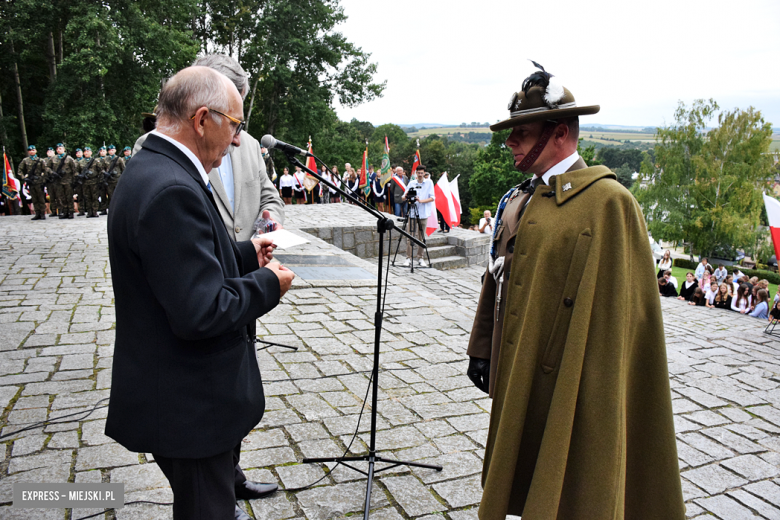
{"x": 251, "y": 490}
{"x": 241, "y": 515}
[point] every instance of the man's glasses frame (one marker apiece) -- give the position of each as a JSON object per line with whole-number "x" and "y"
{"x": 241, "y": 124}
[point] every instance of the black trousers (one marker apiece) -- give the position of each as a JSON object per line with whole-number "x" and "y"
{"x": 204, "y": 489}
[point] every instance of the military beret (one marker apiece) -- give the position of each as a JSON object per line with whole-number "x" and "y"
{"x": 50, "y": 148}
{"x": 87, "y": 148}
{"x": 79, "y": 150}
{"x": 60, "y": 144}
{"x": 127, "y": 148}
{"x": 31, "y": 147}
{"x": 111, "y": 147}
{"x": 102, "y": 148}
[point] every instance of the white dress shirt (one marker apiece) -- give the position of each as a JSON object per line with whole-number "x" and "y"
{"x": 225, "y": 171}
{"x": 191, "y": 156}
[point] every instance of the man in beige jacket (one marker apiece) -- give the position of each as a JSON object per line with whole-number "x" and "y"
{"x": 241, "y": 186}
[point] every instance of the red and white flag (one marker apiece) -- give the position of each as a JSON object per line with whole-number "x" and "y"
{"x": 10, "y": 184}
{"x": 456, "y": 199}
{"x": 444, "y": 201}
{"x": 773, "y": 215}
{"x": 432, "y": 225}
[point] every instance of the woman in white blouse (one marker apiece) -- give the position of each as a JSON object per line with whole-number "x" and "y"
{"x": 664, "y": 263}
{"x": 742, "y": 301}
{"x": 286, "y": 186}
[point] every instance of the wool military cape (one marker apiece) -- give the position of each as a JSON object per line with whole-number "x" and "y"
{"x": 581, "y": 424}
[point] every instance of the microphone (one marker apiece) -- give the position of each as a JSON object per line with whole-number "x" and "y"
{"x": 270, "y": 142}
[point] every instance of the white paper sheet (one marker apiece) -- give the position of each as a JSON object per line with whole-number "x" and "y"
{"x": 284, "y": 239}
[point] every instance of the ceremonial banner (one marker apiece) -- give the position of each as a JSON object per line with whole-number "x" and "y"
{"x": 415, "y": 163}
{"x": 10, "y": 184}
{"x": 456, "y": 199}
{"x": 385, "y": 172}
{"x": 364, "y": 173}
{"x": 773, "y": 216}
{"x": 309, "y": 182}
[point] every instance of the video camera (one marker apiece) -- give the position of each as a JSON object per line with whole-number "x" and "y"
{"x": 411, "y": 195}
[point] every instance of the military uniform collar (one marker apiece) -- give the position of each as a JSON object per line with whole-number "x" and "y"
{"x": 572, "y": 182}
{"x": 560, "y": 168}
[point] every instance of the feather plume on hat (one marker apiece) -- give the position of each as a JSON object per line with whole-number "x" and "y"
{"x": 541, "y": 78}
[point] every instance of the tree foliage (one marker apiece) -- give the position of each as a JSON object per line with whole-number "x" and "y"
{"x": 705, "y": 186}
{"x": 88, "y": 69}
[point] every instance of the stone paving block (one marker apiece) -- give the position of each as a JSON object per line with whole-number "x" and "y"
{"x": 726, "y": 508}
{"x": 453, "y": 466}
{"x": 48, "y": 458}
{"x": 105, "y": 456}
{"x": 714, "y": 479}
{"x": 264, "y": 439}
{"x": 397, "y": 438}
{"x": 765, "y": 510}
{"x": 469, "y": 514}
{"x": 141, "y": 477}
{"x": 766, "y": 490}
{"x": 320, "y": 448}
{"x": 312, "y": 407}
{"x": 300, "y": 475}
{"x": 276, "y": 506}
{"x": 326, "y": 502}
{"x": 64, "y": 440}
{"x": 9, "y": 513}
{"x": 306, "y": 432}
{"x": 690, "y": 491}
{"x": 28, "y": 444}
{"x": 460, "y": 492}
{"x": 705, "y": 445}
{"x": 412, "y": 495}
{"x": 733, "y": 441}
{"x": 279, "y": 418}
{"x": 267, "y": 457}
{"x": 751, "y": 467}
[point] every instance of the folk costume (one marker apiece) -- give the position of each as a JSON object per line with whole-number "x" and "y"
{"x": 581, "y": 424}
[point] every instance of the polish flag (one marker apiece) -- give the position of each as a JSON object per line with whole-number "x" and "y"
{"x": 444, "y": 201}
{"x": 432, "y": 225}
{"x": 773, "y": 215}
{"x": 456, "y": 199}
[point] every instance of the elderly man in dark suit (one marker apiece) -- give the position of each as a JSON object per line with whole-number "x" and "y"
{"x": 186, "y": 385}
{"x": 242, "y": 186}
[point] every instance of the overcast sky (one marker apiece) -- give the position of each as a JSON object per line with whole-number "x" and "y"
{"x": 455, "y": 61}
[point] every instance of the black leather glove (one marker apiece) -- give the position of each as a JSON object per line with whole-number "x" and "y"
{"x": 479, "y": 373}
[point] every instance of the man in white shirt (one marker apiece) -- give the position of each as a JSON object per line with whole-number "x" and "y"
{"x": 700, "y": 269}
{"x": 424, "y": 206}
{"x": 486, "y": 223}
{"x": 720, "y": 274}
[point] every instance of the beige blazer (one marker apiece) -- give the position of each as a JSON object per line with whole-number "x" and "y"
{"x": 254, "y": 191}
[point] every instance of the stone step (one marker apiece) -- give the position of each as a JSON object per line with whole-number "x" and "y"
{"x": 441, "y": 251}
{"x": 449, "y": 262}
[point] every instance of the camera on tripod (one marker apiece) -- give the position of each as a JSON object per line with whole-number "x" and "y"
{"x": 411, "y": 195}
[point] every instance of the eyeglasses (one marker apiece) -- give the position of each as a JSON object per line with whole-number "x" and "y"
{"x": 241, "y": 124}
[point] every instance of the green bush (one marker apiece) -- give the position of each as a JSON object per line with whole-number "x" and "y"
{"x": 684, "y": 264}
{"x": 761, "y": 274}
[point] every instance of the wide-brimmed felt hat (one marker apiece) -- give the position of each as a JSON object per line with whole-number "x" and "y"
{"x": 542, "y": 98}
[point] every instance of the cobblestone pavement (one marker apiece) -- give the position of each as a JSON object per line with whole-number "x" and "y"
{"x": 56, "y": 337}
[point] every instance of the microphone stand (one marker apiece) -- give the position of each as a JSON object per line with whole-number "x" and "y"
{"x": 383, "y": 224}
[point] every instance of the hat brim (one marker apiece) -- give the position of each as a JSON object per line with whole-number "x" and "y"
{"x": 562, "y": 113}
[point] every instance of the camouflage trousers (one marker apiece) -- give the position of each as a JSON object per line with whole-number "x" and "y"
{"x": 91, "y": 202}
{"x": 63, "y": 194}
{"x": 38, "y": 197}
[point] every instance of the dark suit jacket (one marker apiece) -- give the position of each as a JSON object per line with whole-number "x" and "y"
{"x": 185, "y": 382}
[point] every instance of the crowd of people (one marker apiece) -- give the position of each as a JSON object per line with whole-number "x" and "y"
{"x": 717, "y": 289}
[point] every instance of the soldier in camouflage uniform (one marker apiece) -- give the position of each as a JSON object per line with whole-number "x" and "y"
{"x": 62, "y": 169}
{"x": 78, "y": 187}
{"x": 49, "y": 182}
{"x": 91, "y": 172}
{"x": 115, "y": 165}
{"x": 127, "y": 154}
{"x": 31, "y": 171}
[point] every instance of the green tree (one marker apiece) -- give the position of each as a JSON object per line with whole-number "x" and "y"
{"x": 705, "y": 186}
{"x": 494, "y": 173}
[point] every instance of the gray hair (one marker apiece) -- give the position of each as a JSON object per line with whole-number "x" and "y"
{"x": 186, "y": 92}
{"x": 229, "y": 67}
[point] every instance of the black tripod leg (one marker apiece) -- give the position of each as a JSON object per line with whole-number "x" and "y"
{"x": 400, "y": 237}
